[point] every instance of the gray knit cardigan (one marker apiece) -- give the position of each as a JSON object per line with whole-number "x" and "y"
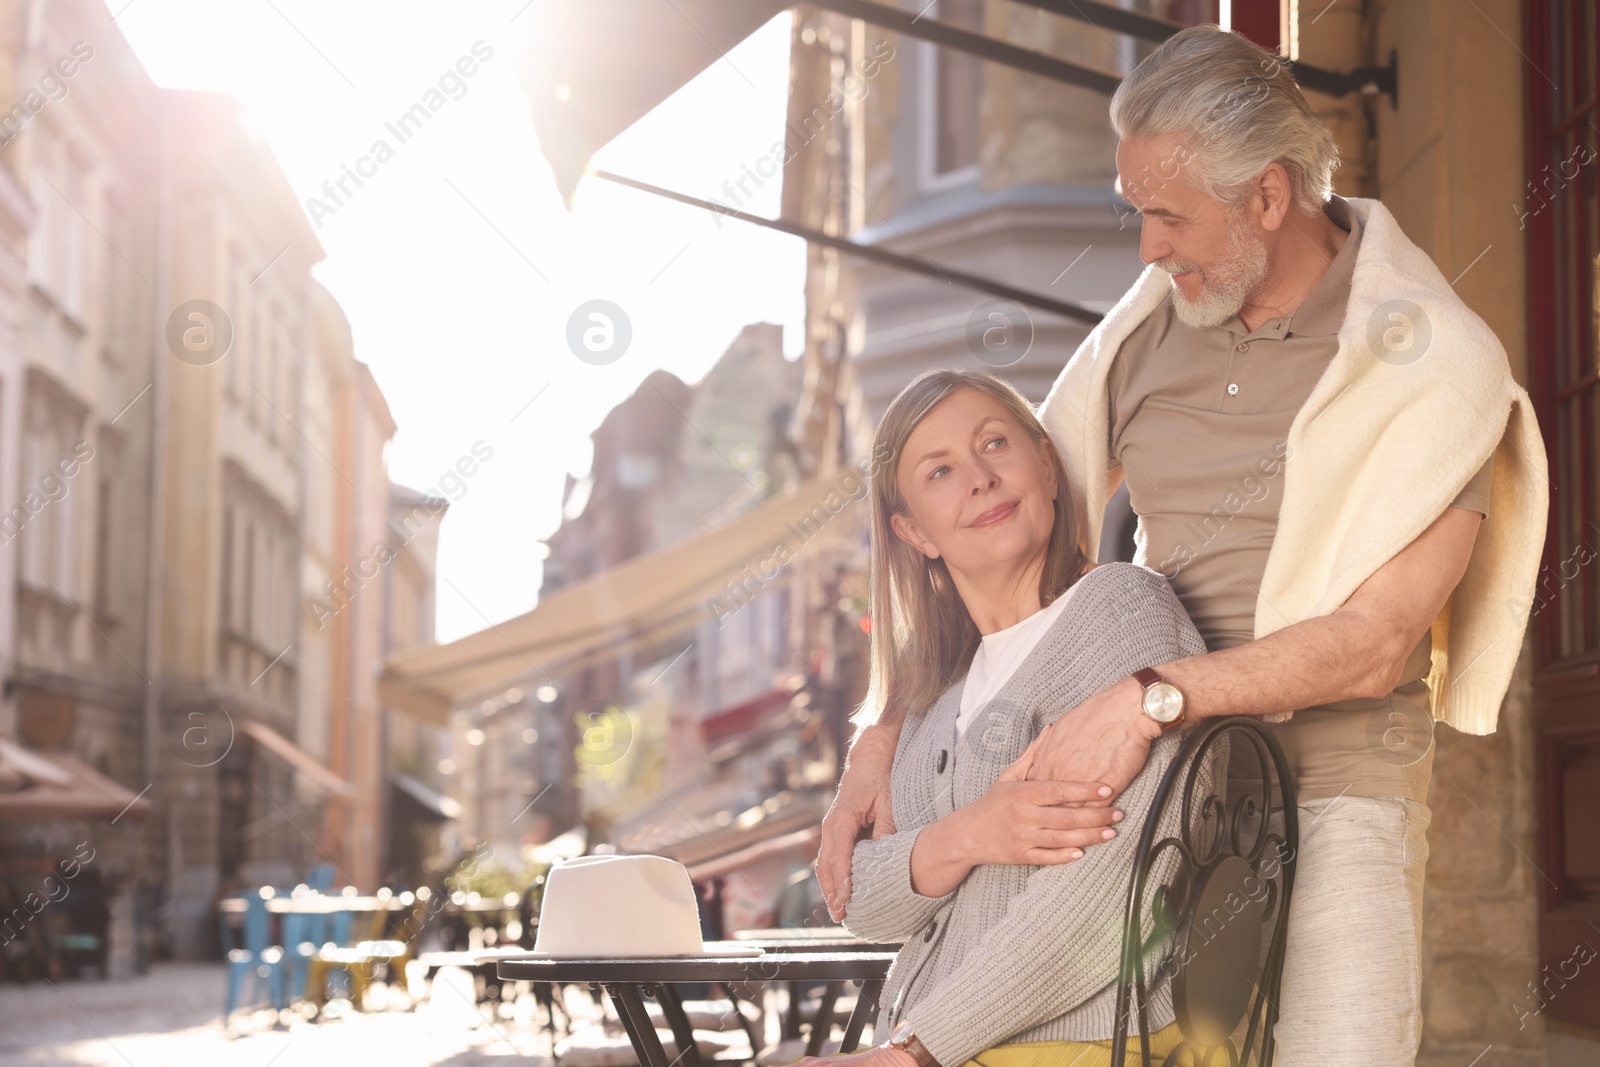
{"x": 1023, "y": 953}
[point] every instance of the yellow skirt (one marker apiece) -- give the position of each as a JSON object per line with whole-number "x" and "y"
{"x": 1081, "y": 1053}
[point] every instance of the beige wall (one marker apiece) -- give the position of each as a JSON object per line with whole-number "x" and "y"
{"x": 1449, "y": 163}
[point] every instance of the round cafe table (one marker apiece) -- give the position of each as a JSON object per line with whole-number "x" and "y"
{"x": 627, "y": 981}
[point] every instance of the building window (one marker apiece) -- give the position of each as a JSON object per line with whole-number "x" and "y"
{"x": 102, "y": 549}
{"x": 248, "y": 573}
{"x": 57, "y": 253}
{"x": 238, "y": 371}
{"x": 952, "y": 87}
{"x": 260, "y": 362}
{"x": 114, "y": 292}
{"x": 227, "y": 577}
{"x": 41, "y": 240}
{"x": 74, "y": 189}
{"x": 34, "y": 562}
{"x": 49, "y": 499}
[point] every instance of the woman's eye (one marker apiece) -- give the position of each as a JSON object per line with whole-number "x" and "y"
{"x": 994, "y": 442}
{"x": 938, "y": 472}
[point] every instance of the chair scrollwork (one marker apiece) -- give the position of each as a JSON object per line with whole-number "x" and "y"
{"x": 1208, "y": 904}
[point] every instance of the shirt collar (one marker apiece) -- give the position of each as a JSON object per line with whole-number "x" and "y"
{"x": 1321, "y": 313}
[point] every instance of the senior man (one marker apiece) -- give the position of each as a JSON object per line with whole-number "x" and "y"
{"x": 1331, "y": 464}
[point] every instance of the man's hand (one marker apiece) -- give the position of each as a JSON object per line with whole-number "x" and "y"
{"x": 862, "y": 802}
{"x": 1017, "y": 823}
{"x": 1104, "y": 739}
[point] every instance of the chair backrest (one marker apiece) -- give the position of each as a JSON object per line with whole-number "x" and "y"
{"x": 304, "y": 928}
{"x": 253, "y": 926}
{"x": 1222, "y": 917}
{"x": 377, "y": 922}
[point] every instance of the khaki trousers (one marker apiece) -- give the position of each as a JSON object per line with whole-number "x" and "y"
{"x": 1352, "y": 978}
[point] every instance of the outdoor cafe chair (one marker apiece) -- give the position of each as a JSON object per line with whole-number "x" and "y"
{"x": 338, "y": 955}
{"x": 304, "y": 934}
{"x": 249, "y": 953}
{"x": 1227, "y": 907}
{"x": 361, "y": 960}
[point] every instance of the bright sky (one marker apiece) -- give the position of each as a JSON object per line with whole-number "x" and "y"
{"x": 437, "y": 259}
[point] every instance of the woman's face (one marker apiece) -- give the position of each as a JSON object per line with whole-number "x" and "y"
{"x": 979, "y": 493}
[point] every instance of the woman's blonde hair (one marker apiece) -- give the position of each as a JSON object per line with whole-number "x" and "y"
{"x": 923, "y": 638}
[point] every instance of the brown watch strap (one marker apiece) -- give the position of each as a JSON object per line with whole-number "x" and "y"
{"x": 917, "y": 1050}
{"x": 1147, "y": 676}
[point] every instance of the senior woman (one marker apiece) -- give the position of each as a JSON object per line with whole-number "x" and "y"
{"x": 988, "y": 622}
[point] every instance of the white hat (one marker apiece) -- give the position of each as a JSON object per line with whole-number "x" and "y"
{"x": 632, "y": 907}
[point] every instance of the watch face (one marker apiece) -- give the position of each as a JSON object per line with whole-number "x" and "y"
{"x": 902, "y": 1033}
{"x": 1163, "y": 702}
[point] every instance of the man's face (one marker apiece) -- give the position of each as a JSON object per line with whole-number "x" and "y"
{"x": 1216, "y": 257}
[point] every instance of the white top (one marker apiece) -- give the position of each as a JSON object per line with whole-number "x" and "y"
{"x": 999, "y": 656}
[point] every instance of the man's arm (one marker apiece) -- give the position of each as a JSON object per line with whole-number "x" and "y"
{"x": 861, "y": 802}
{"x": 1358, "y": 651}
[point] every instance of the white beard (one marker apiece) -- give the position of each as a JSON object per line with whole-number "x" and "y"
{"x": 1226, "y": 284}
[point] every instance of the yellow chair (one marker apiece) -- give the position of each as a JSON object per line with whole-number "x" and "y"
{"x": 352, "y": 959}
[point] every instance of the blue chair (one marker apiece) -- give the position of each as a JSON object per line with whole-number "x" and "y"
{"x": 303, "y": 935}
{"x": 249, "y": 954}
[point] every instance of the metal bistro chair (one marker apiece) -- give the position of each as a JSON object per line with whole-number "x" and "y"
{"x": 1228, "y": 899}
{"x": 250, "y": 954}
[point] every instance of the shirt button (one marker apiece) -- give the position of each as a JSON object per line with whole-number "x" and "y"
{"x": 944, "y": 758}
{"x": 1233, "y": 388}
{"x": 1244, "y": 346}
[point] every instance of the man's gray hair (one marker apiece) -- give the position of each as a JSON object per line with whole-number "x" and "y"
{"x": 1235, "y": 108}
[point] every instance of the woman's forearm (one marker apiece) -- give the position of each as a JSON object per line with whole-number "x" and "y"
{"x": 941, "y": 859}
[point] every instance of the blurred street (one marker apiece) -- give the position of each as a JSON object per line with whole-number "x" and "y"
{"x": 444, "y": 447}
{"x": 172, "y": 1017}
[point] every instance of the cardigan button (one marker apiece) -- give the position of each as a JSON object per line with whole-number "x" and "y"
{"x": 942, "y": 762}
{"x": 931, "y": 928}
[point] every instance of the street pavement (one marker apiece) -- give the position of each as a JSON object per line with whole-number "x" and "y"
{"x": 172, "y": 1017}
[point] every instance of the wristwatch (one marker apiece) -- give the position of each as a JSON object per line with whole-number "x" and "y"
{"x": 1163, "y": 701}
{"x": 908, "y": 1042}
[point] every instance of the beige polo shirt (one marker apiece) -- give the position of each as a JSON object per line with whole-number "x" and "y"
{"x": 1199, "y": 422}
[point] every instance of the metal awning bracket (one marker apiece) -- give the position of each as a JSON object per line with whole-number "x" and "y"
{"x": 1369, "y": 81}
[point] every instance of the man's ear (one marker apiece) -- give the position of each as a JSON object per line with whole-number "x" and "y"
{"x": 907, "y": 531}
{"x": 1277, "y": 195}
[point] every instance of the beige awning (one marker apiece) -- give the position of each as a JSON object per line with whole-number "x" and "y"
{"x": 642, "y": 600}
{"x": 56, "y": 785}
{"x": 303, "y": 762}
{"x": 593, "y": 69}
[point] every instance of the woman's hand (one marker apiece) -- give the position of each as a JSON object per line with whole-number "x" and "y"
{"x": 862, "y": 801}
{"x": 1017, "y": 822}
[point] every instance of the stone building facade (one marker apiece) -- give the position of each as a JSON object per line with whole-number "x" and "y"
{"x": 190, "y": 456}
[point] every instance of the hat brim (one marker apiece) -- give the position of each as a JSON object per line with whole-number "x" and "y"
{"x": 709, "y": 952}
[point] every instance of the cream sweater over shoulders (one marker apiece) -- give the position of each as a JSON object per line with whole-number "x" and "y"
{"x": 1417, "y": 398}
